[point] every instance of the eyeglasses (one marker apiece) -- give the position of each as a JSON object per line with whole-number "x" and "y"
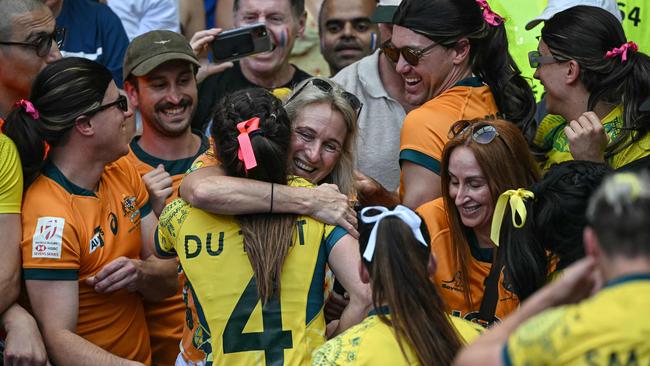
{"x": 410, "y": 54}
{"x": 482, "y": 133}
{"x": 121, "y": 103}
{"x": 535, "y": 59}
{"x": 326, "y": 87}
{"x": 43, "y": 44}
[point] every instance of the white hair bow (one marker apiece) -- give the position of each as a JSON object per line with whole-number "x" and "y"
{"x": 404, "y": 213}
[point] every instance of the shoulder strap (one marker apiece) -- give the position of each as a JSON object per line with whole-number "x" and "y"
{"x": 491, "y": 293}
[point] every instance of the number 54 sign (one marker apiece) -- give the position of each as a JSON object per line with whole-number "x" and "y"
{"x": 634, "y": 14}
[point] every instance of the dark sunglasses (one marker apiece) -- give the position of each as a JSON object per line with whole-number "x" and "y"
{"x": 410, "y": 54}
{"x": 121, "y": 103}
{"x": 482, "y": 133}
{"x": 326, "y": 87}
{"x": 535, "y": 59}
{"x": 43, "y": 44}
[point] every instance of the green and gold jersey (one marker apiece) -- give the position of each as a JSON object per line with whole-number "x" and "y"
{"x": 285, "y": 330}
{"x": 373, "y": 342}
{"x": 612, "y": 328}
{"x": 556, "y": 140}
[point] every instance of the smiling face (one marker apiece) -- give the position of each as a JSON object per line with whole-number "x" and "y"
{"x": 430, "y": 77}
{"x": 316, "y": 142}
{"x": 27, "y": 27}
{"x": 111, "y": 126}
{"x": 283, "y": 25}
{"x": 469, "y": 190}
{"x": 166, "y": 98}
{"x": 346, "y": 31}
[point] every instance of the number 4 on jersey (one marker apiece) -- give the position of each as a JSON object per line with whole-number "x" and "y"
{"x": 273, "y": 340}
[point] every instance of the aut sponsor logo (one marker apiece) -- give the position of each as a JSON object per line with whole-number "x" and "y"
{"x": 48, "y": 237}
{"x": 97, "y": 240}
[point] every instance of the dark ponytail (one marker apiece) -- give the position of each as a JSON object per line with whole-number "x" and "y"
{"x": 267, "y": 238}
{"x": 62, "y": 91}
{"x": 608, "y": 80}
{"x": 448, "y": 21}
{"x": 554, "y": 224}
{"x": 400, "y": 278}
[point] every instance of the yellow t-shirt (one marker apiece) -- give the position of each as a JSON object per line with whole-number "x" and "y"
{"x": 556, "y": 140}
{"x": 70, "y": 234}
{"x": 373, "y": 342}
{"x": 166, "y": 318}
{"x": 612, "y": 328}
{"x": 11, "y": 177}
{"x": 210, "y": 248}
{"x": 448, "y": 275}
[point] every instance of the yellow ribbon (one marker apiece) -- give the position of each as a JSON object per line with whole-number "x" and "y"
{"x": 517, "y": 207}
{"x": 631, "y": 181}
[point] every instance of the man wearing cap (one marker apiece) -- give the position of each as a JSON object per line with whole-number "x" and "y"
{"x": 285, "y": 20}
{"x": 346, "y": 32}
{"x": 159, "y": 73}
{"x": 381, "y": 90}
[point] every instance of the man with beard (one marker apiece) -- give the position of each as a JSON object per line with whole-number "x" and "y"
{"x": 285, "y": 20}
{"x": 346, "y": 32}
{"x": 160, "y": 81}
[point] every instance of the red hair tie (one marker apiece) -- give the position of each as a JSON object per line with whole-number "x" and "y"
{"x": 28, "y": 107}
{"x": 622, "y": 51}
{"x": 490, "y": 16}
{"x": 245, "y": 152}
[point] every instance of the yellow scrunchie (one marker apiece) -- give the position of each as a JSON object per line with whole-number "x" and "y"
{"x": 517, "y": 206}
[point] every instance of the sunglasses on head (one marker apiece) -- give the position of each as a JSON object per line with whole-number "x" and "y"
{"x": 326, "y": 87}
{"x": 481, "y": 132}
{"x": 43, "y": 44}
{"x": 120, "y": 102}
{"x": 411, "y": 55}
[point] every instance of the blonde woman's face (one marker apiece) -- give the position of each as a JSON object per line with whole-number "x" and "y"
{"x": 317, "y": 142}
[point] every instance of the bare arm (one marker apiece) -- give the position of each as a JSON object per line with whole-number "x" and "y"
{"x": 209, "y": 189}
{"x": 154, "y": 278}
{"x": 192, "y": 16}
{"x": 9, "y": 260}
{"x": 344, "y": 259}
{"x": 421, "y": 185}
{"x": 23, "y": 344}
{"x": 224, "y": 14}
{"x": 56, "y": 306}
{"x": 576, "y": 283}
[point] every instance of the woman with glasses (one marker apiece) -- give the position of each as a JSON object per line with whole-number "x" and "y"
{"x": 85, "y": 217}
{"x": 482, "y": 160}
{"x": 324, "y": 127}
{"x": 453, "y": 57}
{"x": 408, "y": 324}
{"x": 257, "y": 279}
{"x": 596, "y": 80}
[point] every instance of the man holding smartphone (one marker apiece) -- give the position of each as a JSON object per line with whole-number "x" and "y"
{"x": 285, "y": 21}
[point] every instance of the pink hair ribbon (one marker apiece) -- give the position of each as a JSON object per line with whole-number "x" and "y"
{"x": 245, "y": 152}
{"x": 489, "y": 15}
{"x": 29, "y": 108}
{"x": 622, "y": 51}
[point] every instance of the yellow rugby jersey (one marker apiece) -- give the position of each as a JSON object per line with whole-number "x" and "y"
{"x": 166, "y": 318}
{"x": 211, "y": 251}
{"x": 611, "y": 328}
{"x": 557, "y": 142}
{"x": 373, "y": 342}
{"x": 11, "y": 177}
{"x": 70, "y": 234}
{"x": 448, "y": 275}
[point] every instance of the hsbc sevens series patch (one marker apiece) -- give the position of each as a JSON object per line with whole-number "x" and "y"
{"x": 48, "y": 237}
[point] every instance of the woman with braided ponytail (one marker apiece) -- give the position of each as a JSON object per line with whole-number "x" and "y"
{"x": 597, "y": 81}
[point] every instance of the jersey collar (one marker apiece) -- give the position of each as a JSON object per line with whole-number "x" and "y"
{"x": 628, "y": 278}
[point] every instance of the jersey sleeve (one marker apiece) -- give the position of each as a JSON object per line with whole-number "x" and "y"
{"x": 50, "y": 247}
{"x": 537, "y": 341}
{"x": 169, "y": 225}
{"x": 11, "y": 177}
{"x": 329, "y": 353}
{"x": 420, "y": 142}
{"x": 208, "y": 158}
{"x": 332, "y": 237}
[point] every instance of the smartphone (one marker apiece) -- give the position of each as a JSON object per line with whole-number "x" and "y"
{"x": 240, "y": 42}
